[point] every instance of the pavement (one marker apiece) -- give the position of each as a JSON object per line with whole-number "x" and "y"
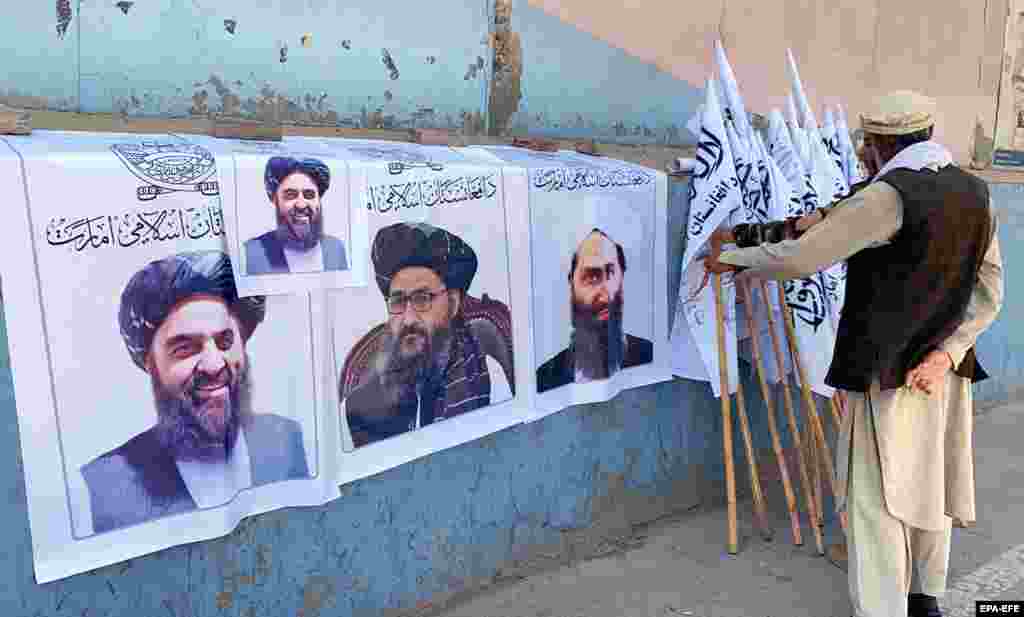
{"x": 678, "y": 566}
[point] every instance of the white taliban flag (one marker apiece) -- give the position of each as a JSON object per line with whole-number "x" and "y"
{"x": 830, "y": 136}
{"x": 714, "y": 196}
{"x": 815, "y": 332}
{"x": 750, "y": 191}
{"x": 827, "y": 175}
{"x": 797, "y": 137}
{"x": 736, "y": 110}
{"x": 775, "y": 195}
{"x": 829, "y": 182}
{"x": 851, "y": 163}
{"x": 745, "y": 157}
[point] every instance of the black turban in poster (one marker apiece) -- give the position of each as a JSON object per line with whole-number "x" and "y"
{"x": 405, "y": 245}
{"x": 152, "y": 292}
{"x": 280, "y": 167}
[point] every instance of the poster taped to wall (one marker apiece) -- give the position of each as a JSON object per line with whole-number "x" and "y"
{"x": 288, "y": 220}
{"x": 156, "y": 406}
{"x": 430, "y": 354}
{"x": 598, "y": 273}
{"x": 1008, "y": 151}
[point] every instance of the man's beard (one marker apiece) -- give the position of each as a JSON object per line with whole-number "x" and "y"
{"x": 599, "y": 345}
{"x": 296, "y": 235}
{"x": 188, "y": 430}
{"x": 410, "y": 370}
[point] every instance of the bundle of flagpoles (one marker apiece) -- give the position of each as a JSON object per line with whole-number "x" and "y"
{"x": 747, "y": 175}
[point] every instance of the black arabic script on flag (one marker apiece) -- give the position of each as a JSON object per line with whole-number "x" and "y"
{"x": 806, "y": 297}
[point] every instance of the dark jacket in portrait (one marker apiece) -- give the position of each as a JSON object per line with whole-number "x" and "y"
{"x": 376, "y": 411}
{"x": 561, "y": 369}
{"x": 139, "y": 481}
{"x": 265, "y": 255}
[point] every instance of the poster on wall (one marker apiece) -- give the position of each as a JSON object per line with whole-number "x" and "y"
{"x": 598, "y": 273}
{"x": 1009, "y": 125}
{"x": 430, "y": 354}
{"x": 289, "y": 224}
{"x": 156, "y": 405}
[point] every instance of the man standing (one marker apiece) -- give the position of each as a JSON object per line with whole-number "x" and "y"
{"x": 598, "y": 348}
{"x": 298, "y": 244}
{"x": 431, "y": 366}
{"x": 924, "y": 281}
{"x": 184, "y": 324}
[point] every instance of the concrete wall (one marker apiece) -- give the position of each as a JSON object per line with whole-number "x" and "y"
{"x": 844, "y": 48}
{"x": 616, "y": 71}
{"x": 465, "y": 64}
{"x": 569, "y": 486}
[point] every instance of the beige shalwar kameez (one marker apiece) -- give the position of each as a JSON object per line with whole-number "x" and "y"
{"x": 905, "y": 468}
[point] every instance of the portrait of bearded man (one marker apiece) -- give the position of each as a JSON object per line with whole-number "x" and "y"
{"x": 184, "y": 325}
{"x": 429, "y": 364}
{"x": 598, "y": 347}
{"x": 295, "y": 188}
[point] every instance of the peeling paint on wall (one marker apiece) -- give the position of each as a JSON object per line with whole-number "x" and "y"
{"x": 506, "y": 81}
{"x": 63, "y": 17}
{"x": 389, "y": 64}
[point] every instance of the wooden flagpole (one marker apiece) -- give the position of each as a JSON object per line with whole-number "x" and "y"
{"x": 812, "y": 411}
{"x": 805, "y": 478}
{"x": 760, "y": 510}
{"x": 794, "y": 517}
{"x": 723, "y": 375}
{"x": 837, "y": 414}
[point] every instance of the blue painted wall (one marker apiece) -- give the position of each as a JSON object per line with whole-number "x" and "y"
{"x": 533, "y": 494}
{"x": 175, "y": 58}
{"x": 575, "y": 85}
{"x": 999, "y": 349}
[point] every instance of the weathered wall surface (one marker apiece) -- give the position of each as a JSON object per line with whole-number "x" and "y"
{"x": 480, "y": 66}
{"x": 569, "y": 486}
{"x": 846, "y": 48}
{"x": 616, "y": 71}
{"x": 364, "y": 63}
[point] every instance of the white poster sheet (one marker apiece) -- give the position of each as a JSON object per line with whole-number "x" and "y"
{"x": 290, "y": 226}
{"x": 155, "y": 406}
{"x": 598, "y": 273}
{"x": 431, "y": 353}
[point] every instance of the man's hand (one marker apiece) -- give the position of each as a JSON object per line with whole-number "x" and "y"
{"x": 807, "y": 221}
{"x": 711, "y": 263}
{"x": 928, "y": 375}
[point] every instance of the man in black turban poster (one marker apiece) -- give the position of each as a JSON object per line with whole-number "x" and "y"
{"x": 295, "y": 188}
{"x": 598, "y": 346}
{"x": 185, "y": 326}
{"x": 429, "y": 364}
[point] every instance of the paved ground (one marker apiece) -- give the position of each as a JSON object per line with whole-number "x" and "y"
{"x": 678, "y": 567}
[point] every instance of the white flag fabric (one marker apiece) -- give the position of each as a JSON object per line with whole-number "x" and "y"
{"x": 775, "y": 196}
{"x": 830, "y": 135}
{"x": 851, "y": 163}
{"x": 797, "y": 136}
{"x": 807, "y": 298}
{"x": 750, "y": 190}
{"x": 715, "y": 188}
{"x": 733, "y": 102}
{"x": 746, "y": 157}
{"x": 784, "y": 153}
{"x": 714, "y": 195}
{"x": 829, "y": 182}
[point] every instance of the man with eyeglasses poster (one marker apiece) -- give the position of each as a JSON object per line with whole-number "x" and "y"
{"x": 430, "y": 365}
